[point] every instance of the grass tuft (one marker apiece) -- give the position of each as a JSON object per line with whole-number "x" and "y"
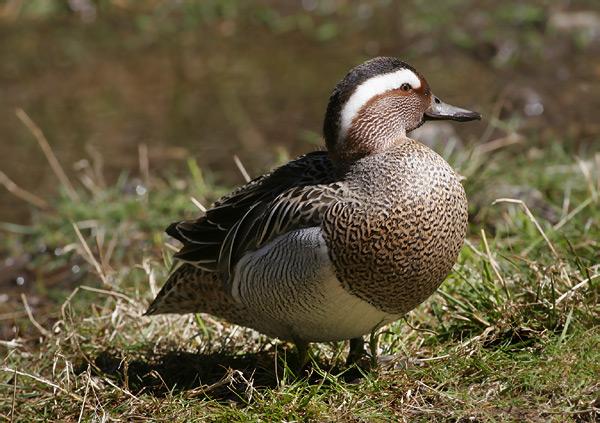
{"x": 512, "y": 335}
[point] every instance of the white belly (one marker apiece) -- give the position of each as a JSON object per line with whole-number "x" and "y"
{"x": 342, "y": 316}
{"x": 291, "y": 291}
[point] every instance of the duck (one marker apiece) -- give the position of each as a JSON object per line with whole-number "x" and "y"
{"x": 337, "y": 243}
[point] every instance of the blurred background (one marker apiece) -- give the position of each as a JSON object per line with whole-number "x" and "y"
{"x": 145, "y": 104}
{"x": 210, "y": 79}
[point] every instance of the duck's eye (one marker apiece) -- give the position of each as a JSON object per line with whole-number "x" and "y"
{"x": 406, "y": 87}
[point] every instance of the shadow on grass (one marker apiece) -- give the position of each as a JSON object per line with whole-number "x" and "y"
{"x": 218, "y": 376}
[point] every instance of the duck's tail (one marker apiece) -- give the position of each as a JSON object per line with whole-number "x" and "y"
{"x": 190, "y": 289}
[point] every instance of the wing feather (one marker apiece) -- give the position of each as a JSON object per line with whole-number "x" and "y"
{"x": 287, "y": 212}
{"x": 293, "y": 196}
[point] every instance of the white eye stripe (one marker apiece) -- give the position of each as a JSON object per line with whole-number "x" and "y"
{"x": 371, "y": 88}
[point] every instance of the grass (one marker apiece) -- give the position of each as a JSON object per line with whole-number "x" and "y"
{"x": 512, "y": 335}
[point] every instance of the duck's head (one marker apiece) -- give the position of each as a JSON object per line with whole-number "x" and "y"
{"x": 378, "y": 103}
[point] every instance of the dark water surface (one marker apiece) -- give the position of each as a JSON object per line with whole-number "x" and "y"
{"x": 255, "y": 82}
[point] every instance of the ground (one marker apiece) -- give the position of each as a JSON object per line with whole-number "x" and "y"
{"x": 512, "y": 335}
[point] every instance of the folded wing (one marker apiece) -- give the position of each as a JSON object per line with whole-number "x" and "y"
{"x": 293, "y": 196}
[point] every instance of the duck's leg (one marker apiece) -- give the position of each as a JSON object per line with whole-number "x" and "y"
{"x": 373, "y": 347}
{"x": 357, "y": 351}
{"x": 302, "y": 351}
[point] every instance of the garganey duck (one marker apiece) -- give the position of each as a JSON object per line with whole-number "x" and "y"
{"x": 336, "y": 243}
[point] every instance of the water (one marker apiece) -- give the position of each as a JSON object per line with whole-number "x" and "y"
{"x": 256, "y": 84}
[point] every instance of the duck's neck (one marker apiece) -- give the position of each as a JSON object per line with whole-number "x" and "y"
{"x": 358, "y": 144}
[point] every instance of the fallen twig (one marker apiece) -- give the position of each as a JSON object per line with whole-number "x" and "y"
{"x": 576, "y": 287}
{"x": 90, "y": 257}
{"x": 47, "y": 150}
{"x": 241, "y": 168}
{"x": 494, "y": 264}
{"x": 19, "y": 192}
{"x": 39, "y": 327}
{"x": 531, "y": 217}
{"x": 41, "y": 380}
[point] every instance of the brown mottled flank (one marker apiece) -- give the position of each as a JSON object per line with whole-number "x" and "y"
{"x": 332, "y": 244}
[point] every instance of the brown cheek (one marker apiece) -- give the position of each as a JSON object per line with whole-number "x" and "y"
{"x": 423, "y": 89}
{"x": 400, "y": 92}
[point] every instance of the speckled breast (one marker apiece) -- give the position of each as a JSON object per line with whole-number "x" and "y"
{"x": 397, "y": 241}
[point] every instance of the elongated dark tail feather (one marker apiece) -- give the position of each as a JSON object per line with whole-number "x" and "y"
{"x": 172, "y": 231}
